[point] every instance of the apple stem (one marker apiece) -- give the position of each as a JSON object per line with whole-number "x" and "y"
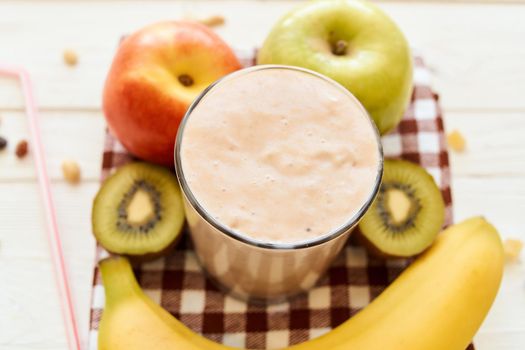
{"x": 340, "y": 47}
{"x": 185, "y": 80}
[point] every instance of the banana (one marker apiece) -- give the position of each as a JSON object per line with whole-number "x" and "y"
{"x": 437, "y": 303}
{"x": 132, "y": 321}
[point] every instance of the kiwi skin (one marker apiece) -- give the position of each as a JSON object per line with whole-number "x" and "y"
{"x": 139, "y": 259}
{"x": 110, "y": 198}
{"x": 424, "y": 189}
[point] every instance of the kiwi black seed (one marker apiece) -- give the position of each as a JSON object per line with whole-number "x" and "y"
{"x": 138, "y": 212}
{"x": 407, "y": 213}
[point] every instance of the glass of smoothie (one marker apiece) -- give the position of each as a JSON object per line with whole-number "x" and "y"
{"x": 277, "y": 164}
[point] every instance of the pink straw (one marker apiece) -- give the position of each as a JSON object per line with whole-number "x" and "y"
{"x": 68, "y": 311}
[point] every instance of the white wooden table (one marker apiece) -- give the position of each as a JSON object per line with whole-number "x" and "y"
{"x": 476, "y": 51}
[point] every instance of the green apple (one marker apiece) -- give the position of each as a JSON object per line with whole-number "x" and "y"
{"x": 353, "y": 42}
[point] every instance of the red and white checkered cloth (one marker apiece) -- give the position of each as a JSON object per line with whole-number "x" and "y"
{"x": 178, "y": 284}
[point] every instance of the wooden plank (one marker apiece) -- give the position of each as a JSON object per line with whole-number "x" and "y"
{"x": 473, "y": 49}
{"x": 30, "y": 315}
{"x": 75, "y": 135}
{"x": 30, "y": 319}
{"x": 501, "y": 201}
{"x": 495, "y": 144}
{"x": 508, "y": 340}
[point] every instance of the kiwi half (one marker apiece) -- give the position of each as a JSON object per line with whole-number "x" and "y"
{"x": 407, "y": 213}
{"x": 138, "y": 212}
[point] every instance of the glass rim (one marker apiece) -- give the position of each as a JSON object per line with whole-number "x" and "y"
{"x": 242, "y": 237}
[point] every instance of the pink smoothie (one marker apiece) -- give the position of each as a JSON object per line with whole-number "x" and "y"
{"x": 280, "y": 155}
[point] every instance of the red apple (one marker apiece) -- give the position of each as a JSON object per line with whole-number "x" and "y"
{"x": 155, "y": 75}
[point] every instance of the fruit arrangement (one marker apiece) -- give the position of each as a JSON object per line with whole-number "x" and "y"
{"x": 410, "y": 314}
{"x": 138, "y": 213}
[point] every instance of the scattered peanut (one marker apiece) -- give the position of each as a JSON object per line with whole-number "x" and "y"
{"x": 3, "y": 143}
{"x": 213, "y": 21}
{"x": 456, "y": 141}
{"x": 512, "y": 249}
{"x": 21, "y": 149}
{"x": 70, "y": 57}
{"x": 71, "y": 171}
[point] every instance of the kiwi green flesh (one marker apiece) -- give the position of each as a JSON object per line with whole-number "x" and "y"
{"x": 414, "y": 230}
{"x": 158, "y": 232}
